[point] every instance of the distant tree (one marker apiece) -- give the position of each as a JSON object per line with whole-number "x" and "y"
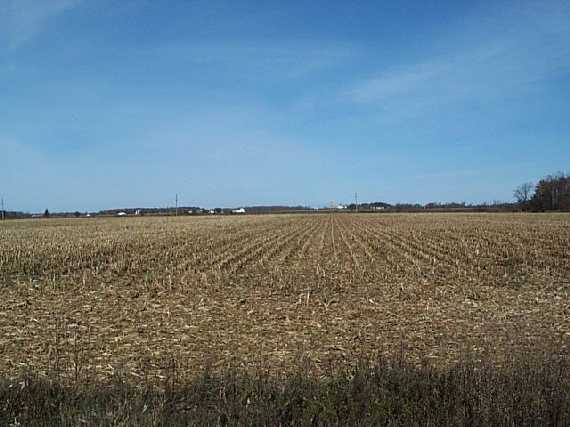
{"x": 46, "y": 213}
{"x": 76, "y": 214}
{"x": 523, "y": 194}
{"x": 552, "y": 193}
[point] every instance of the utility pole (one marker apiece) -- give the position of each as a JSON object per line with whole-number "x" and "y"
{"x": 356, "y": 201}
{"x": 3, "y": 214}
{"x": 176, "y": 204}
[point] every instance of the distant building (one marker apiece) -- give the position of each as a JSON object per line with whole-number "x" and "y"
{"x": 122, "y": 214}
{"x": 239, "y": 211}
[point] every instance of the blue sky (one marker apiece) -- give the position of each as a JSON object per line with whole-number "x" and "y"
{"x": 121, "y": 104}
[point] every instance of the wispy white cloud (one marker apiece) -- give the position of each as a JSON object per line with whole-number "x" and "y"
{"x": 397, "y": 82}
{"x": 505, "y": 65}
{"x": 290, "y": 60}
{"x": 22, "y": 20}
{"x": 481, "y": 72}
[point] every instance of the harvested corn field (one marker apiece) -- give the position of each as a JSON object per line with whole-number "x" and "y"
{"x": 138, "y": 296}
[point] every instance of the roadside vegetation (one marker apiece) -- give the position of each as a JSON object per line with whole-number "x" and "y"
{"x": 527, "y": 392}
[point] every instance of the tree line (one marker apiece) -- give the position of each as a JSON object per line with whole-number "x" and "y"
{"x": 551, "y": 193}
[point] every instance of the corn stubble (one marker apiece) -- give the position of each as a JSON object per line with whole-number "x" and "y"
{"x": 152, "y": 299}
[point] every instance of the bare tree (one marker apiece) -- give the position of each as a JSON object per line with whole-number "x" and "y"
{"x": 523, "y": 193}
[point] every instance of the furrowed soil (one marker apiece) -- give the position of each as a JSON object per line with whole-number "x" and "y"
{"x": 90, "y": 298}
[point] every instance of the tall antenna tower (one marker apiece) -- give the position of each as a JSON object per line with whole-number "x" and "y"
{"x": 356, "y": 201}
{"x": 3, "y": 213}
{"x": 176, "y": 204}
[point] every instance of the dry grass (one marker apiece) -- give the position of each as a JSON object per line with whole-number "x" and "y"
{"x": 528, "y": 392}
{"x": 87, "y": 299}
